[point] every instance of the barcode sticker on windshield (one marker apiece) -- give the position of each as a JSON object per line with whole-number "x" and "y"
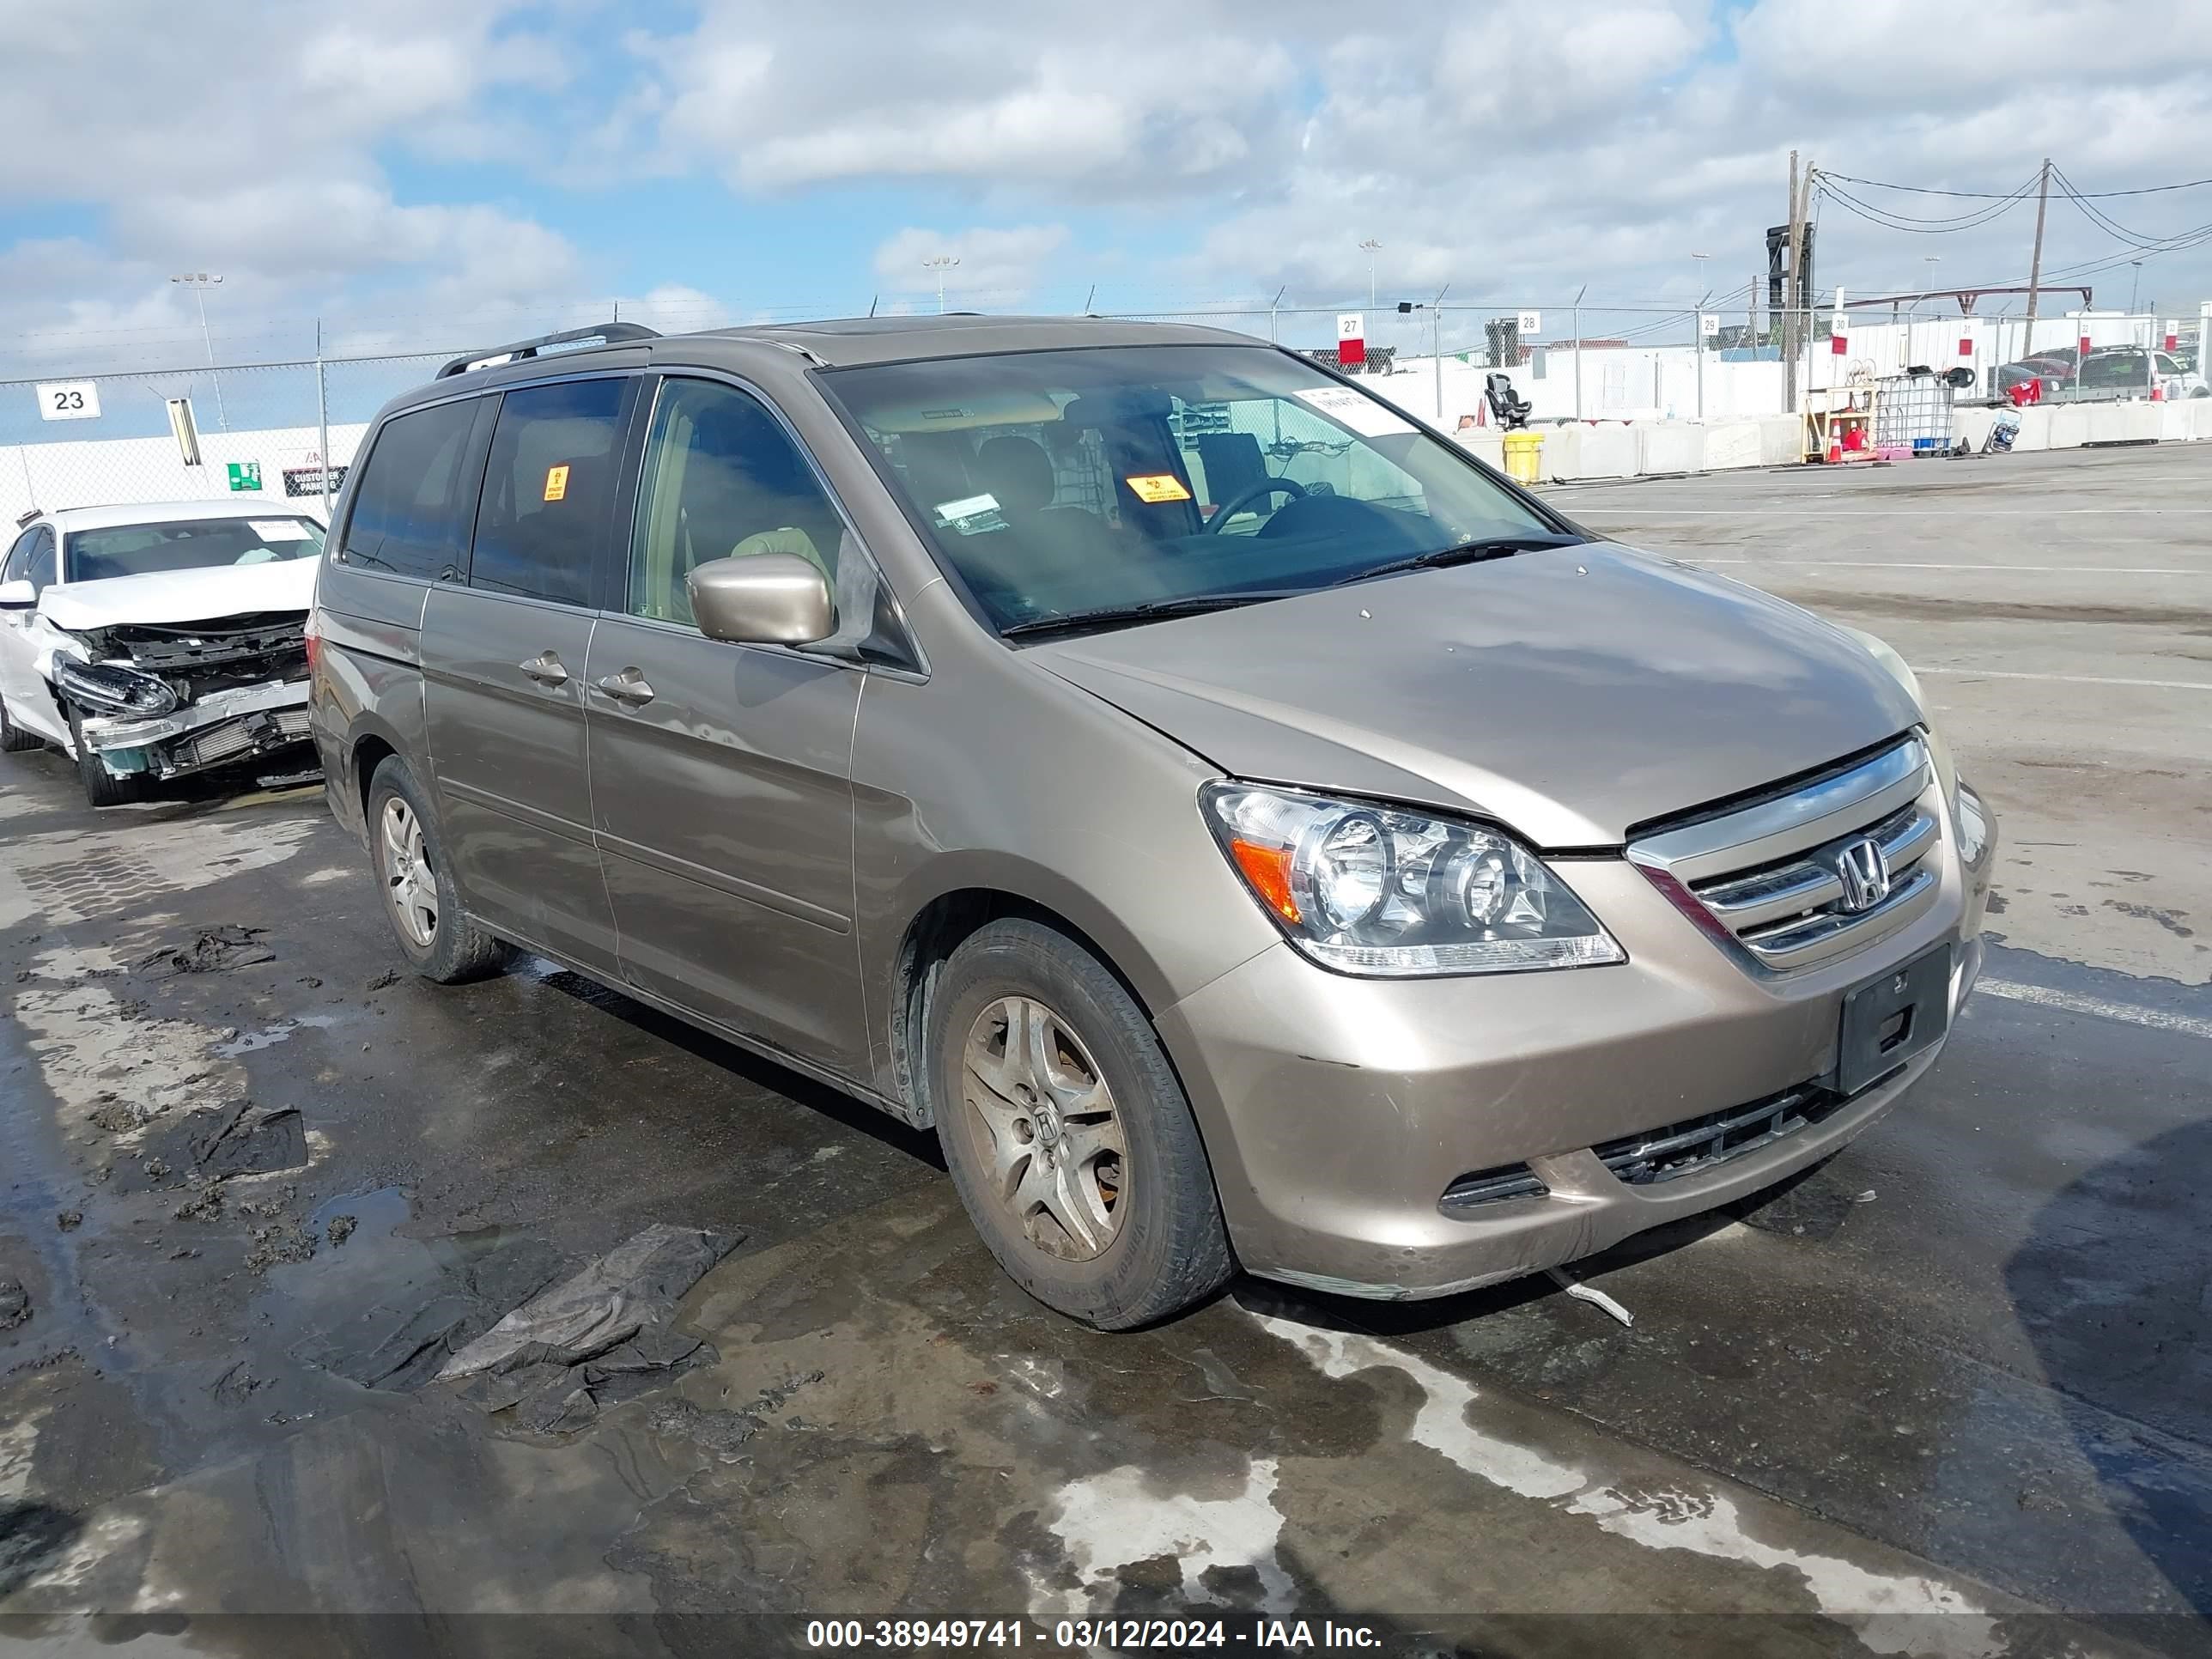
{"x": 1355, "y": 410}
{"x": 971, "y": 514}
{"x": 279, "y": 529}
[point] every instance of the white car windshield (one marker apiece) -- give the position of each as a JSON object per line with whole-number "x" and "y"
{"x": 142, "y": 549}
{"x": 1105, "y": 483}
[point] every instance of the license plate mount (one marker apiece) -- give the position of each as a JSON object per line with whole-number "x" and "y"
{"x": 1901, "y": 1012}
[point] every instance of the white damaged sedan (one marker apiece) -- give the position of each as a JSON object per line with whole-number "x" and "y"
{"x": 155, "y": 641}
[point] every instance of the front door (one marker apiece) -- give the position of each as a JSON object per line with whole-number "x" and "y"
{"x": 30, "y": 699}
{"x": 504, "y": 660}
{"x": 721, "y": 773}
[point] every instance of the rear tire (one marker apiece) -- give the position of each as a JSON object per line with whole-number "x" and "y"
{"x": 421, "y": 899}
{"x": 102, "y": 786}
{"x": 1068, "y": 1137}
{"x": 14, "y": 740}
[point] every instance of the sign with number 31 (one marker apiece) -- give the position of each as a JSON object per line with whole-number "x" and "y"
{"x": 70, "y": 400}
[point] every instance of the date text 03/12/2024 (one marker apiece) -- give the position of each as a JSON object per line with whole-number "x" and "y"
{"x": 1091, "y": 1635}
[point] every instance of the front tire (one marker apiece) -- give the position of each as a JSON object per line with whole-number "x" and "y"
{"x": 102, "y": 786}
{"x": 14, "y": 740}
{"x": 1068, "y": 1137}
{"x": 421, "y": 899}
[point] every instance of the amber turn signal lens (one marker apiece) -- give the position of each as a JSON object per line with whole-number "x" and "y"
{"x": 1269, "y": 870}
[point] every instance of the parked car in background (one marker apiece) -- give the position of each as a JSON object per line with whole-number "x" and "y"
{"x": 1247, "y": 828}
{"x": 2106, "y": 374}
{"x": 150, "y": 641}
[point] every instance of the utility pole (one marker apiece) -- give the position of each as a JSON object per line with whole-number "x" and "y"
{"x": 2035, "y": 260}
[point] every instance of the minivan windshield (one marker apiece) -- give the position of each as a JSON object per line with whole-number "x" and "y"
{"x": 1103, "y": 485}
{"x": 142, "y": 549}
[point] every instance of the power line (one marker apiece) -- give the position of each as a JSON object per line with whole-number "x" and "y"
{"x": 1914, "y": 225}
{"x": 1991, "y": 195}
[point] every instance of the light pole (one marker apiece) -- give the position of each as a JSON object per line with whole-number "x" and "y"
{"x": 200, "y": 282}
{"x": 940, "y": 263}
{"x": 1370, "y": 247}
{"x": 2135, "y": 285}
{"x": 1698, "y": 331}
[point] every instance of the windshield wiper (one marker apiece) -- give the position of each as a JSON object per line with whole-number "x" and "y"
{"x": 1490, "y": 547}
{"x": 1110, "y": 615}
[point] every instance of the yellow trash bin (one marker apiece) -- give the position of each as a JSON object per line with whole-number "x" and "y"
{"x": 1524, "y": 456}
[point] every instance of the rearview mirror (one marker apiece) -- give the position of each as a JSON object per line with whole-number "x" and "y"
{"x": 770, "y": 598}
{"x": 18, "y": 595}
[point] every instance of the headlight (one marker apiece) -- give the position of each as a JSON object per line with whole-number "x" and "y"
{"x": 1973, "y": 826}
{"x": 110, "y": 688}
{"x": 1391, "y": 893}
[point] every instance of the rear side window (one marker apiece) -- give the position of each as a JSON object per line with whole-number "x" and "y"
{"x": 413, "y": 505}
{"x": 549, "y": 490}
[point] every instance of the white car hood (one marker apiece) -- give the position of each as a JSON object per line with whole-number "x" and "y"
{"x": 182, "y": 596}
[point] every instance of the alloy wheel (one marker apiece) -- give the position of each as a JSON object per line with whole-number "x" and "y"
{"x": 1041, "y": 1115}
{"x": 410, "y": 884}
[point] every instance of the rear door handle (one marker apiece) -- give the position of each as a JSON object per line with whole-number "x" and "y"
{"x": 545, "y": 668}
{"x": 629, "y": 686}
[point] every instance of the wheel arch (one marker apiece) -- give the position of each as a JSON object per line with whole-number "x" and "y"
{"x": 958, "y": 911}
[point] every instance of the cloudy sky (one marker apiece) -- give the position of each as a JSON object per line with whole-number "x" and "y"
{"x": 420, "y": 171}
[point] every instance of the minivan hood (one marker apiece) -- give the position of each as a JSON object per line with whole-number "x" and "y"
{"x": 182, "y": 596}
{"x": 1569, "y": 693}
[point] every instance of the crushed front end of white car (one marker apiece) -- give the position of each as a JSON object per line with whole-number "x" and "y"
{"x": 167, "y": 701}
{"x": 164, "y": 686}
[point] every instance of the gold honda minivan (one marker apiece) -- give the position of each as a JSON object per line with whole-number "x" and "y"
{"x": 1251, "y": 832}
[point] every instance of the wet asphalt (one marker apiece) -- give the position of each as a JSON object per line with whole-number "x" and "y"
{"x": 1949, "y": 1392}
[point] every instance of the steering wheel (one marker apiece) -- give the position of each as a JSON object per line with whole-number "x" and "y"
{"x": 1249, "y": 494}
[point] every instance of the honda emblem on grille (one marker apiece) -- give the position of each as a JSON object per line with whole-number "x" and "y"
{"x": 1864, "y": 873}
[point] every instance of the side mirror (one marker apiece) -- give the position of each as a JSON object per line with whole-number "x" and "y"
{"x": 18, "y": 595}
{"x": 770, "y": 598}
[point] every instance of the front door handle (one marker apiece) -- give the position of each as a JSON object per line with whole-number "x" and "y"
{"x": 545, "y": 668}
{"x": 629, "y": 686}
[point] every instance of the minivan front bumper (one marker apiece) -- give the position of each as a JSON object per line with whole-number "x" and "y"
{"x": 1338, "y": 1112}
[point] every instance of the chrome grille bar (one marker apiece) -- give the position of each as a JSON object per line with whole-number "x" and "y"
{"x": 1774, "y": 873}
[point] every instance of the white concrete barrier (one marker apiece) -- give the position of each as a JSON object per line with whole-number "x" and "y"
{"x": 1562, "y": 454}
{"x": 2070, "y": 426}
{"x": 1486, "y": 443}
{"x": 1669, "y": 446}
{"x": 1731, "y": 444}
{"x": 1781, "y": 440}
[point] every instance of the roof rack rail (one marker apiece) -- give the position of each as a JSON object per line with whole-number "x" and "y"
{"x": 609, "y": 333}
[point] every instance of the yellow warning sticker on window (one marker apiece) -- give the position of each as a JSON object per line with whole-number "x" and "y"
{"x": 1157, "y": 487}
{"x": 556, "y": 483}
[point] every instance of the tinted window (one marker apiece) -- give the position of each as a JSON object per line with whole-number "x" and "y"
{"x": 725, "y": 481}
{"x": 40, "y": 565}
{"x": 140, "y": 549}
{"x": 32, "y": 559}
{"x": 549, "y": 490}
{"x": 13, "y": 570}
{"x": 412, "y": 504}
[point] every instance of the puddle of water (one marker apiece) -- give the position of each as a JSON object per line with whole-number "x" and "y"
{"x": 360, "y": 1306}
{"x": 247, "y": 1043}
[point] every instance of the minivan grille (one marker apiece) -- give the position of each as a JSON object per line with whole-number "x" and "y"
{"x": 1698, "y": 1144}
{"x": 1804, "y": 876}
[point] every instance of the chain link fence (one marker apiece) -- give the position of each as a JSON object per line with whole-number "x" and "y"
{"x": 286, "y": 431}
